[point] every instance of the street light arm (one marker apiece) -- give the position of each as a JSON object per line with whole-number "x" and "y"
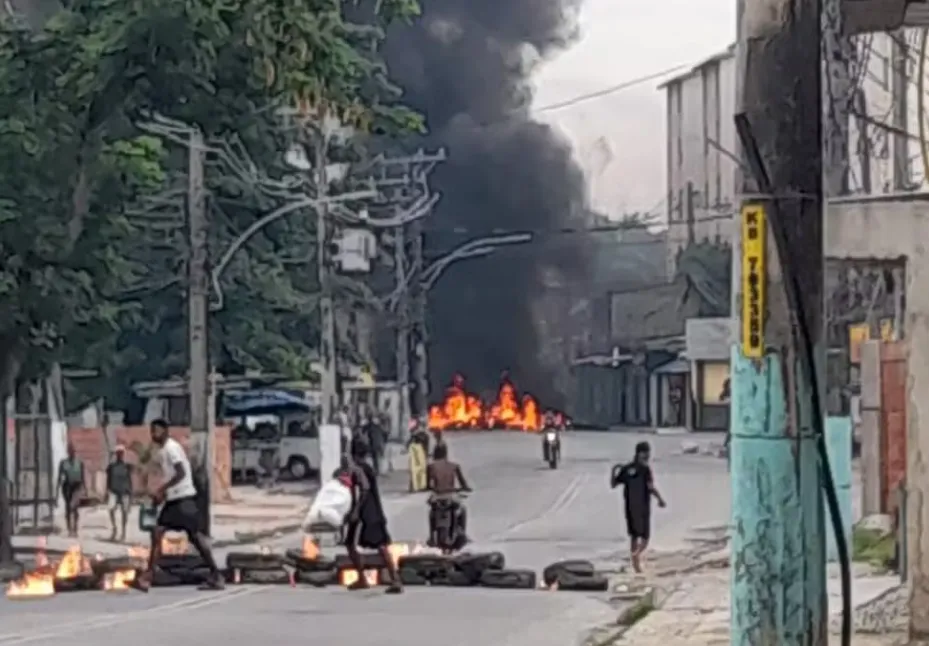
{"x": 262, "y": 222}
{"x": 437, "y": 268}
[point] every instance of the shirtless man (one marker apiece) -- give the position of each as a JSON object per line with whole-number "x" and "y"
{"x": 445, "y": 481}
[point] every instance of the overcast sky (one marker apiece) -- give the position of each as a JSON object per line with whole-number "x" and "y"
{"x": 620, "y": 139}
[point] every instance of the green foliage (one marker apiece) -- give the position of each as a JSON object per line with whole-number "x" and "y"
{"x": 82, "y": 280}
{"x": 873, "y": 546}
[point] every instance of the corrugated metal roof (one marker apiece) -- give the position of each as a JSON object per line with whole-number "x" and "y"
{"x": 678, "y": 366}
{"x": 639, "y": 316}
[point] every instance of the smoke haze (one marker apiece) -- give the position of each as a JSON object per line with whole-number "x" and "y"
{"x": 466, "y": 66}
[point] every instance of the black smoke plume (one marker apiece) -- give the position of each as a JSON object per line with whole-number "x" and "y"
{"x": 465, "y": 65}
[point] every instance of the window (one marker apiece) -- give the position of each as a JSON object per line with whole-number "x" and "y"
{"x": 305, "y": 429}
{"x": 714, "y": 375}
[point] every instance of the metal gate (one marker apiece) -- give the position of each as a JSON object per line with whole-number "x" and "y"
{"x": 33, "y": 473}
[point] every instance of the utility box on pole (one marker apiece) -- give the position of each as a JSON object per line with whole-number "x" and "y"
{"x": 353, "y": 251}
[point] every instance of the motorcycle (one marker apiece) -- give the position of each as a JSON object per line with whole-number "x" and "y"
{"x": 551, "y": 449}
{"x": 450, "y": 534}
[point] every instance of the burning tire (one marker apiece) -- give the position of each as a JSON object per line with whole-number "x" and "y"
{"x": 163, "y": 579}
{"x": 454, "y": 578}
{"x": 368, "y": 562}
{"x": 575, "y": 567}
{"x": 117, "y": 564}
{"x": 427, "y": 565}
{"x": 474, "y": 565}
{"x": 11, "y": 571}
{"x": 79, "y": 583}
{"x": 303, "y": 563}
{"x": 509, "y": 579}
{"x": 254, "y": 561}
{"x": 317, "y": 578}
{"x": 260, "y": 577}
{"x": 179, "y": 577}
{"x": 180, "y": 562}
{"x": 409, "y": 576}
{"x": 582, "y": 582}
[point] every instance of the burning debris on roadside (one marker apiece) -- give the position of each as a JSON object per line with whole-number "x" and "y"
{"x": 74, "y": 571}
{"x": 461, "y": 410}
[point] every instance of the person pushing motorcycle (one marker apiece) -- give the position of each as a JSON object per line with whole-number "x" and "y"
{"x": 445, "y": 480}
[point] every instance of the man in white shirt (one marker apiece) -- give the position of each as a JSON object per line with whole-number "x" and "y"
{"x": 179, "y": 512}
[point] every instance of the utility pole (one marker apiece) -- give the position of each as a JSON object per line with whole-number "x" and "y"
{"x": 198, "y": 303}
{"x": 691, "y": 216}
{"x": 778, "y": 542}
{"x": 403, "y": 331}
{"x": 6, "y": 509}
{"x": 327, "y": 346}
{"x": 419, "y": 326}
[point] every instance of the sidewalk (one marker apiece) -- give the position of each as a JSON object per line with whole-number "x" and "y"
{"x": 253, "y": 515}
{"x": 696, "y": 613}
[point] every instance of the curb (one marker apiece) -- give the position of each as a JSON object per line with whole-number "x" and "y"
{"x": 636, "y": 611}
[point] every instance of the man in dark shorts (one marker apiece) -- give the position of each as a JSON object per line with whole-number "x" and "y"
{"x": 366, "y": 523}
{"x": 638, "y": 488}
{"x": 119, "y": 492}
{"x": 179, "y": 512}
{"x": 71, "y": 484}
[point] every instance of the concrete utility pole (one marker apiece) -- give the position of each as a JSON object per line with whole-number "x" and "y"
{"x": 403, "y": 330}
{"x": 327, "y": 346}
{"x": 778, "y": 542}
{"x": 690, "y": 214}
{"x": 6, "y": 509}
{"x": 419, "y": 325}
{"x": 198, "y": 303}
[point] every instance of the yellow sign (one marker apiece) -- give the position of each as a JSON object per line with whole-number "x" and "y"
{"x": 888, "y": 333}
{"x": 754, "y": 280}
{"x": 857, "y": 334}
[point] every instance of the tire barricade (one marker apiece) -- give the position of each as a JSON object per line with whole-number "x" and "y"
{"x": 483, "y": 569}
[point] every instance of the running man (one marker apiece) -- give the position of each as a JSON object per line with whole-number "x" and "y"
{"x": 179, "y": 512}
{"x": 638, "y": 489}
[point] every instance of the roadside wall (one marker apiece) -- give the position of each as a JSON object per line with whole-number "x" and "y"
{"x": 894, "y": 229}
{"x": 90, "y": 445}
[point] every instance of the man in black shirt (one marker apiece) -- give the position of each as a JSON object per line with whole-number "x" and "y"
{"x": 639, "y": 487}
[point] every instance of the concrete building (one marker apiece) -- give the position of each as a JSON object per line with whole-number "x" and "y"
{"x": 885, "y": 154}
{"x": 701, "y": 153}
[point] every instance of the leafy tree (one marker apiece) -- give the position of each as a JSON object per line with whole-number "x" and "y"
{"x": 83, "y": 280}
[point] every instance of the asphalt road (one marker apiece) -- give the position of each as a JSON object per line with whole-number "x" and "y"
{"x": 532, "y": 514}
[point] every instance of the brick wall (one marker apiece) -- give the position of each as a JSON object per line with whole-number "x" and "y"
{"x": 893, "y": 423}
{"x": 90, "y": 446}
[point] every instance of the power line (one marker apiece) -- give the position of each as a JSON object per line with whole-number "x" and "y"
{"x": 558, "y": 231}
{"x": 625, "y": 85}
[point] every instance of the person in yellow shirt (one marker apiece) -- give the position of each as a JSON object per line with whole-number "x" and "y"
{"x": 418, "y": 450}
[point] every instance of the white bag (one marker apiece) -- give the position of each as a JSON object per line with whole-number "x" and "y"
{"x": 331, "y": 505}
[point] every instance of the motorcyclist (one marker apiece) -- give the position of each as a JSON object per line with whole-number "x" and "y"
{"x": 550, "y": 426}
{"x": 445, "y": 481}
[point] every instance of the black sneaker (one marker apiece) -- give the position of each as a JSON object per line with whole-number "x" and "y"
{"x": 215, "y": 582}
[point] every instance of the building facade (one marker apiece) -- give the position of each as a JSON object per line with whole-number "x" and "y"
{"x": 885, "y": 151}
{"x": 701, "y": 154}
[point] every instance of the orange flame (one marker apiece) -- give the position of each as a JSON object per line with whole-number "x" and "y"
{"x": 175, "y": 544}
{"x": 349, "y": 576}
{"x": 310, "y": 549}
{"x": 462, "y": 410}
{"x": 41, "y": 582}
